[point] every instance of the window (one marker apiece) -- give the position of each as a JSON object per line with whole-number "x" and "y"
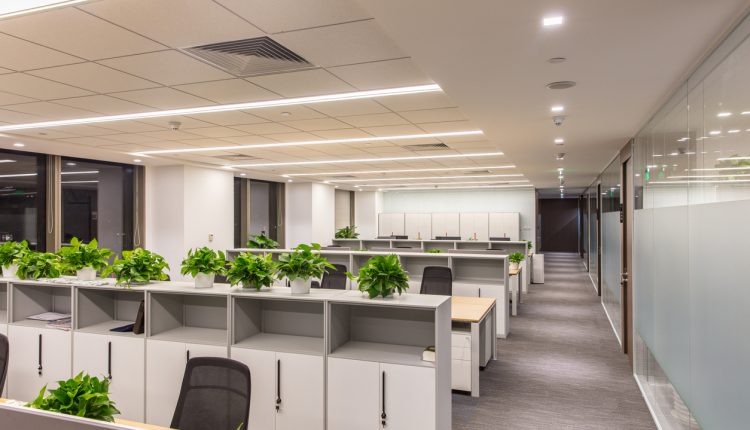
{"x": 22, "y": 198}
{"x": 97, "y": 202}
{"x": 256, "y": 209}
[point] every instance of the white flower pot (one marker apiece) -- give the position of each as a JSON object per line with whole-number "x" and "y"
{"x": 86, "y": 274}
{"x": 514, "y": 266}
{"x": 301, "y": 286}
{"x": 10, "y": 270}
{"x": 204, "y": 280}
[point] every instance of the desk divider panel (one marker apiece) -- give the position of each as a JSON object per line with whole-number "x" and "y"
{"x": 415, "y": 264}
{"x": 32, "y": 299}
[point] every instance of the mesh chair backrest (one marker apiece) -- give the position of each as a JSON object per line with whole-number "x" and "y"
{"x": 4, "y": 351}
{"x": 437, "y": 280}
{"x": 335, "y": 279}
{"x": 215, "y": 395}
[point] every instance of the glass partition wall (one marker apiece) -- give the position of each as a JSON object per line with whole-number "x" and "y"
{"x": 692, "y": 205}
{"x": 23, "y": 198}
{"x": 593, "y": 228}
{"x": 611, "y": 245}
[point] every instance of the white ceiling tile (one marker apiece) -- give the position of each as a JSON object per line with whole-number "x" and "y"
{"x": 433, "y": 115}
{"x": 89, "y": 141}
{"x": 393, "y": 130}
{"x": 94, "y": 77}
{"x": 130, "y": 138}
{"x": 217, "y": 132}
{"x": 292, "y": 137}
{"x": 21, "y": 55}
{"x": 286, "y": 113}
{"x": 374, "y": 120}
{"x": 78, "y": 33}
{"x": 8, "y": 99}
{"x": 421, "y": 101}
{"x": 130, "y": 127}
{"x": 51, "y": 111}
{"x": 265, "y": 128}
{"x": 174, "y": 22}
{"x": 170, "y": 135}
{"x": 284, "y": 15}
{"x": 3, "y": 70}
{"x": 38, "y": 88}
{"x": 128, "y": 148}
{"x": 186, "y": 122}
{"x": 401, "y": 72}
{"x": 105, "y": 105}
{"x": 347, "y": 133}
{"x": 167, "y": 68}
{"x": 317, "y": 124}
{"x": 228, "y": 91}
{"x": 229, "y": 118}
{"x": 163, "y": 98}
{"x": 84, "y": 130}
{"x": 449, "y": 126}
{"x": 355, "y": 42}
{"x": 303, "y": 83}
{"x": 18, "y": 117}
{"x": 349, "y": 107}
{"x": 248, "y": 140}
{"x": 45, "y": 133}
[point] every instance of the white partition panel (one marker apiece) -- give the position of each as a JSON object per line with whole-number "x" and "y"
{"x": 446, "y": 224}
{"x": 418, "y": 226}
{"x": 390, "y": 224}
{"x": 474, "y": 225}
{"x": 505, "y": 224}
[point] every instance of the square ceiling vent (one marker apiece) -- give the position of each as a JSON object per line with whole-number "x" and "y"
{"x": 250, "y": 57}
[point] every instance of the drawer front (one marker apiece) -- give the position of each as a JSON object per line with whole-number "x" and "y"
{"x": 461, "y": 375}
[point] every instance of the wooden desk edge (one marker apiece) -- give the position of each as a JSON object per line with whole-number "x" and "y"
{"x": 487, "y": 302}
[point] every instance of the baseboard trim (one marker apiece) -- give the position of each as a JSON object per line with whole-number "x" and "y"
{"x": 593, "y": 284}
{"x": 611, "y": 324}
{"x": 651, "y": 409}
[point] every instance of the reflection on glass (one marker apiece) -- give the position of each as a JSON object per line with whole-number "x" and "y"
{"x": 22, "y": 198}
{"x": 611, "y": 242}
{"x": 97, "y": 203}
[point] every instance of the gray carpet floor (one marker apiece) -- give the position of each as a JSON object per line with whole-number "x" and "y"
{"x": 560, "y": 368}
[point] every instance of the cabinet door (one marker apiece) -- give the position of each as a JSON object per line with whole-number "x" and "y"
{"x": 445, "y": 224}
{"x": 353, "y": 394}
{"x": 262, "y": 366}
{"x": 24, "y": 376}
{"x": 90, "y": 354}
{"x": 302, "y": 392}
{"x": 409, "y": 394}
{"x": 128, "y": 371}
{"x": 165, "y": 366}
{"x": 472, "y": 224}
{"x": 418, "y": 226}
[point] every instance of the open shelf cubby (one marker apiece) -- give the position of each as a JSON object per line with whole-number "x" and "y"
{"x": 472, "y": 245}
{"x": 33, "y": 299}
{"x": 337, "y": 258}
{"x": 439, "y": 244}
{"x": 3, "y": 303}
{"x": 490, "y": 270}
{"x": 385, "y": 334}
{"x": 372, "y": 244}
{"x": 294, "y": 326}
{"x": 190, "y": 318}
{"x": 415, "y": 245}
{"x": 99, "y": 310}
{"x": 415, "y": 264}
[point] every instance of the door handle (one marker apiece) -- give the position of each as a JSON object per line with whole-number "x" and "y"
{"x": 278, "y": 385}
{"x": 624, "y": 278}
{"x": 383, "y": 416}
{"x": 109, "y": 361}
{"x": 39, "y": 368}
{"x": 187, "y": 356}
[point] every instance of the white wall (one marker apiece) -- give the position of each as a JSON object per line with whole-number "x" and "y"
{"x": 310, "y": 213}
{"x": 522, "y": 201}
{"x": 259, "y": 210}
{"x": 184, "y": 205}
{"x": 367, "y": 205}
{"x": 324, "y": 214}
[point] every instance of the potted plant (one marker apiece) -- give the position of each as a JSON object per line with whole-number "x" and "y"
{"x": 10, "y": 253}
{"x": 35, "y": 265}
{"x": 262, "y": 241}
{"x": 348, "y": 232}
{"x": 515, "y": 259}
{"x": 531, "y": 245}
{"x": 84, "y": 259}
{"x": 83, "y": 396}
{"x": 252, "y": 271}
{"x": 301, "y": 265}
{"x": 138, "y": 266}
{"x": 381, "y": 276}
{"x": 203, "y": 264}
{"x": 434, "y": 251}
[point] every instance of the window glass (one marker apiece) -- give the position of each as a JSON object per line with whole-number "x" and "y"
{"x": 22, "y": 198}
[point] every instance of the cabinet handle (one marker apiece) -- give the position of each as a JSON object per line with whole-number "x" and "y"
{"x": 39, "y": 368}
{"x": 278, "y": 385}
{"x": 187, "y": 356}
{"x": 109, "y": 361}
{"x": 382, "y": 414}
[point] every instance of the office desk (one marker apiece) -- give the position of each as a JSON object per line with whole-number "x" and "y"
{"x": 17, "y": 417}
{"x": 515, "y": 288}
{"x": 475, "y": 348}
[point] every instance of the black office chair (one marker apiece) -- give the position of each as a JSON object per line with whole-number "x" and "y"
{"x": 334, "y": 279}
{"x": 437, "y": 280}
{"x": 215, "y": 395}
{"x": 4, "y": 352}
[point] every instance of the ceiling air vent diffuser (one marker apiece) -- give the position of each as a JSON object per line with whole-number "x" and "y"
{"x": 250, "y": 57}
{"x": 426, "y": 146}
{"x": 237, "y": 157}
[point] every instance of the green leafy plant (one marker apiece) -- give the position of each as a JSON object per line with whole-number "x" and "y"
{"x": 381, "y": 276}
{"x": 262, "y": 241}
{"x": 138, "y": 266}
{"x": 12, "y": 252}
{"x": 79, "y": 255}
{"x": 359, "y": 249}
{"x": 434, "y": 251}
{"x": 83, "y": 396}
{"x": 531, "y": 245}
{"x": 303, "y": 263}
{"x": 35, "y": 265}
{"x": 204, "y": 260}
{"x": 348, "y": 232}
{"x": 516, "y": 257}
{"x": 252, "y": 271}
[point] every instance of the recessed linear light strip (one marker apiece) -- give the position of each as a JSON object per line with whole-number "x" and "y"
{"x": 18, "y": 175}
{"x": 720, "y": 169}
{"x": 368, "y": 160}
{"x": 356, "y": 95}
{"x": 430, "y": 177}
{"x": 368, "y": 172}
{"x": 732, "y": 158}
{"x": 739, "y": 175}
{"x": 458, "y": 188}
{"x": 311, "y": 142}
{"x": 7, "y": 161}
{"x": 726, "y": 181}
{"x": 79, "y": 182}
{"x": 21, "y": 7}
{"x": 446, "y": 183}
